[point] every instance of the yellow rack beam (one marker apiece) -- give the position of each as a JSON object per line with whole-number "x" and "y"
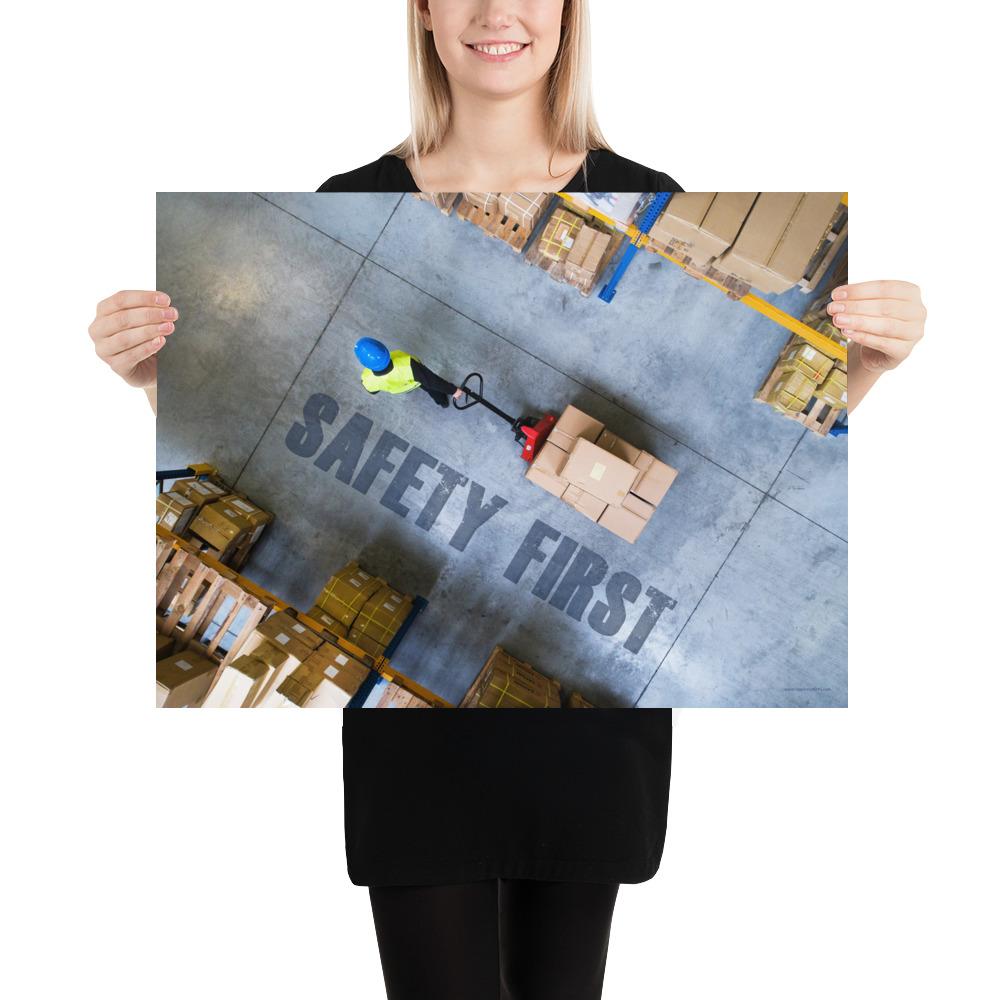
{"x": 818, "y": 340}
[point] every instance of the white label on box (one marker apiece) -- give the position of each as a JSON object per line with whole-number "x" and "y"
{"x": 298, "y": 627}
{"x": 282, "y": 638}
{"x": 395, "y": 597}
{"x": 178, "y": 498}
{"x": 388, "y": 607}
{"x": 567, "y": 241}
{"x": 242, "y": 505}
{"x": 331, "y": 672}
{"x": 597, "y": 472}
{"x": 364, "y": 575}
{"x": 200, "y": 487}
{"x": 843, "y": 397}
{"x": 808, "y": 353}
{"x": 341, "y": 659}
{"x": 212, "y": 488}
{"x": 354, "y": 583}
{"x": 169, "y": 519}
{"x": 183, "y": 664}
{"x": 229, "y": 513}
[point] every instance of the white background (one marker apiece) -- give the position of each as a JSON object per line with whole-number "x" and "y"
{"x": 810, "y": 853}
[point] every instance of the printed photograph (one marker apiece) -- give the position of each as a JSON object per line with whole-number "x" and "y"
{"x": 502, "y": 450}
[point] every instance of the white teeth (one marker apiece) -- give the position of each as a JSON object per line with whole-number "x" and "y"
{"x": 498, "y": 50}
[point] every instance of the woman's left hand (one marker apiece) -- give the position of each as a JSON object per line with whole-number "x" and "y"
{"x": 885, "y": 318}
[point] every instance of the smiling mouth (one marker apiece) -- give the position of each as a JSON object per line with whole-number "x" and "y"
{"x": 497, "y": 48}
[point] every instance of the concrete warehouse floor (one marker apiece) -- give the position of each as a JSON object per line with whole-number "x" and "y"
{"x": 743, "y": 569}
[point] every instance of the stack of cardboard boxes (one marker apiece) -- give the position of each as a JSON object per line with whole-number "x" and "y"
{"x": 227, "y": 523}
{"x": 779, "y": 238}
{"x": 507, "y": 682}
{"x": 510, "y": 217}
{"x": 282, "y": 662}
{"x": 328, "y": 678}
{"x": 365, "y": 606}
{"x": 387, "y": 694}
{"x": 767, "y": 240}
{"x": 183, "y": 679}
{"x": 570, "y": 250}
{"x": 805, "y": 372}
{"x": 705, "y": 224}
{"x": 600, "y": 475}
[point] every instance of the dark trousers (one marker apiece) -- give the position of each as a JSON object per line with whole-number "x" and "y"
{"x": 500, "y": 939}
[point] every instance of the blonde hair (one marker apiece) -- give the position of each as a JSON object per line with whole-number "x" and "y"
{"x": 572, "y": 124}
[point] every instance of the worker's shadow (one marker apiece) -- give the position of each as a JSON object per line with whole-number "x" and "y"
{"x": 403, "y": 557}
{"x": 599, "y": 404}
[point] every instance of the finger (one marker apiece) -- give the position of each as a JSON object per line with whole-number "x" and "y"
{"x": 901, "y": 309}
{"x": 118, "y": 343}
{"x": 887, "y": 345}
{"x": 130, "y": 300}
{"x": 884, "y": 326}
{"x": 124, "y": 363}
{"x": 877, "y": 290}
{"x": 130, "y": 319}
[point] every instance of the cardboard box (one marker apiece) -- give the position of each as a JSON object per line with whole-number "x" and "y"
{"x": 287, "y": 632}
{"x": 586, "y": 254}
{"x": 524, "y": 208}
{"x": 387, "y": 694}
{"x": 577, "y": 700}
{"x": 779, "y": 238}
{"x": 589, "y": 506}
{"x": 681, "y": 219}
{"x": 175, "y": 511}
{"x": 655, "y": 478}
{"x": 221, "y": 526}
{"x": 748, "y": 256}
{"x": 164, "y": 645}
{"x": 559, "y": 234}
{"x": 638, "y": 506}
{"x": 803, "y": 236}
{"x": 258, "y": 517}
{"x": 721, "y": 225}
{"x": 489, "y": 201}
{"x": 347, "y": 592}
{"x": 623, "y": 522}
{"x": 544, "y": 470}
{"x": 574, "y": 423}
{"x": 327, "y": 679}
{"x": 198, "y": 491}
{"x": 183, "y": 678}
{"x": 239, "y": 683}
{"x": 834, "y": 389}
{"x": 379, "y": 620}
{"x": 329, "y": 623}
{"x": 792, "y": 391}
{"x": 506, "y": 682}
{"x": 805, "y": 358}
{"x": 599, "y": 473}
{"x": 625, "y": 451}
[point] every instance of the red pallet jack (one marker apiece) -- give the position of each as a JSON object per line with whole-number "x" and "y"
{"x": 529, "y": 432}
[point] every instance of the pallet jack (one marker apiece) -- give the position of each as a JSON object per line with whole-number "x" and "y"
{"x": 529, "y": 432}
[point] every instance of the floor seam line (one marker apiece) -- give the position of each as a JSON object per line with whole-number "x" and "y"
{"x": 715, "y": 576}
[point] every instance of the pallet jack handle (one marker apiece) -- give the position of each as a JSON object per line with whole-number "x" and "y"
{"x": 475, "y": 396}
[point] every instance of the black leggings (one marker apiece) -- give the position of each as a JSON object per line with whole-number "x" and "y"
{"x": 500, "y": 939}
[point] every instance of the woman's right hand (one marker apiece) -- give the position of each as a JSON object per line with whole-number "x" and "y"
{"x": 128, "y": 330}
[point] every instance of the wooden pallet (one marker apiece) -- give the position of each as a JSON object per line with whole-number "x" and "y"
{"x": 818, "y": 417}
{"x": 495, "y": 224}
{"x": 189, "y": 584}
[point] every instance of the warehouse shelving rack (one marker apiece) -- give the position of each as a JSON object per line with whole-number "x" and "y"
{"x": 640, "y": 239}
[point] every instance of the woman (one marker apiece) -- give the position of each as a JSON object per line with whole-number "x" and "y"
{"x": 494, "y": 867}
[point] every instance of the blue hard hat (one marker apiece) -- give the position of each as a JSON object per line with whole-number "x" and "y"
{"x": 372, "y": 354}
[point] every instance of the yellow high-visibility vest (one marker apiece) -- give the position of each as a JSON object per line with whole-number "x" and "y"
{"x": 398, "y": 379}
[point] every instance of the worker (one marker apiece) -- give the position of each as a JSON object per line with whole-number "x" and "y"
{"x": 398, "y": 372}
